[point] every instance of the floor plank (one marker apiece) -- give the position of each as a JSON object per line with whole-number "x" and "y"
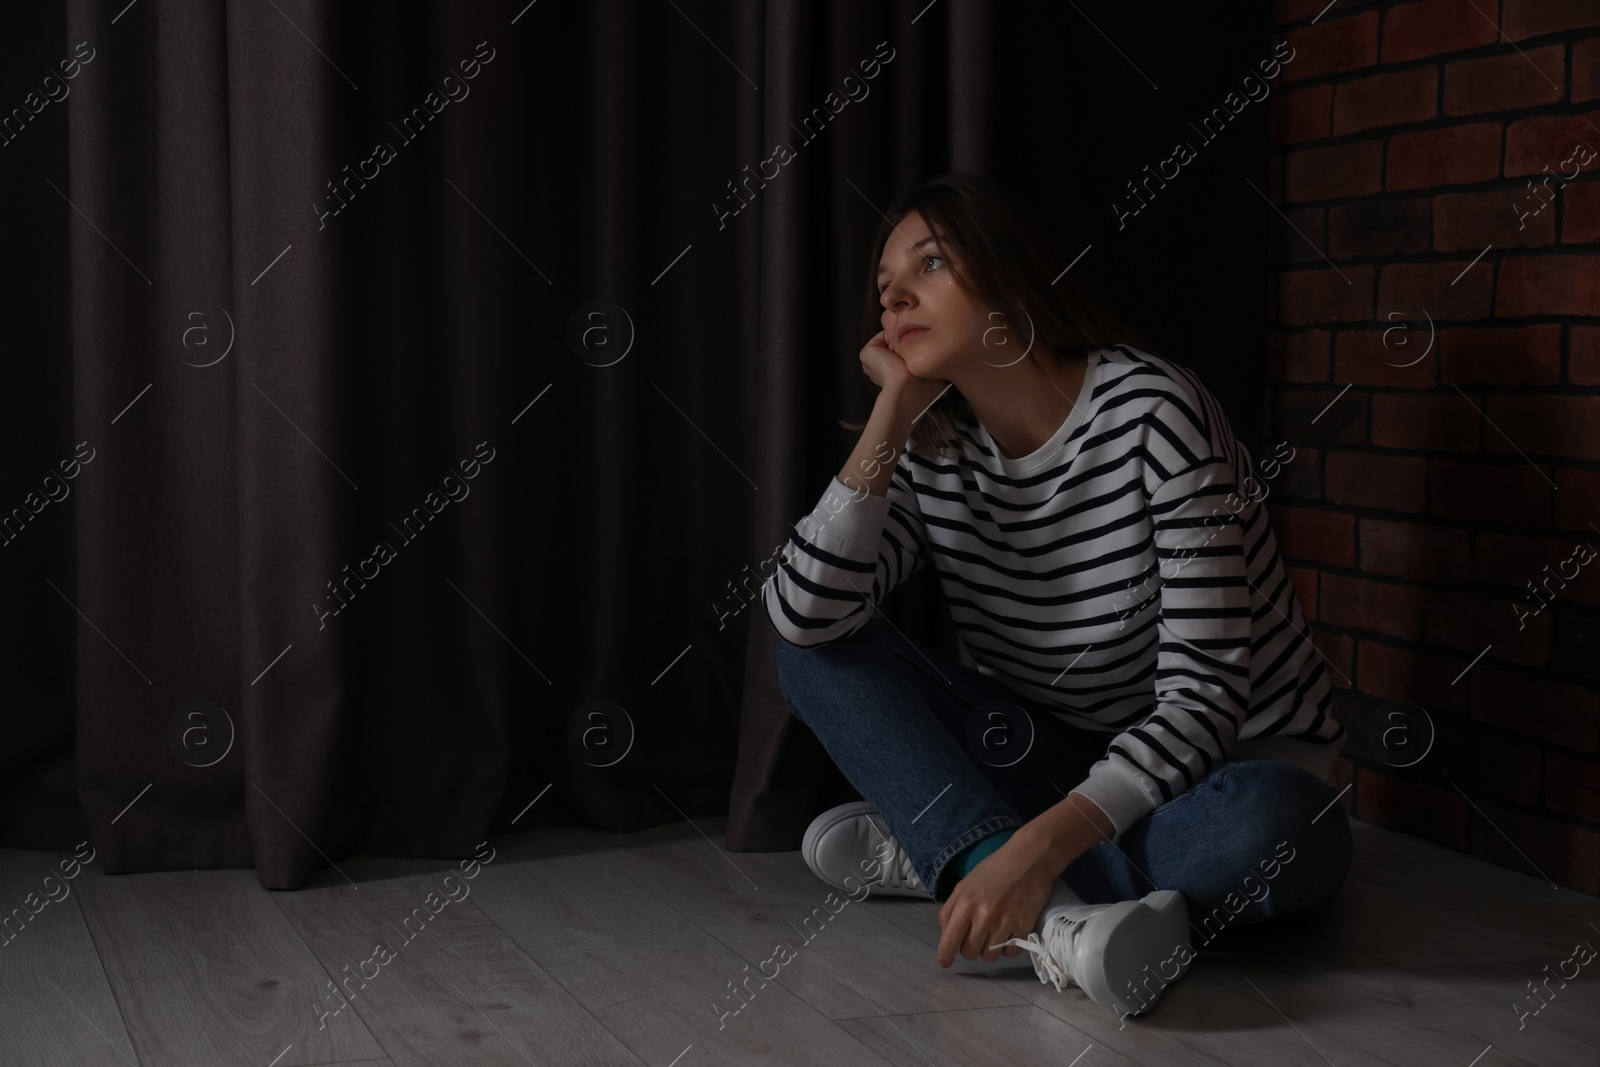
{"x": 1381, "y": 920}
{"x": 846, "y": 954}
{"x": 455, "y": 988}
{"x": 654, "y": 979}
{"x": 981, "y": 1038}
{"x": 1522, "y": 903}
{"x": 1391, "y": 1014}
{"x": 1565, "y": 1030}
{"x": 207, "y": 970}
{"x": 55, "y": 1003}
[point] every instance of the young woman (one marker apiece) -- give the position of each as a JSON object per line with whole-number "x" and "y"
{"x": 1140, "y": 749}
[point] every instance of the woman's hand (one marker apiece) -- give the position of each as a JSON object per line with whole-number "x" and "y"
{"x": 1002, "y": 898}
{"x": 911, "y": 395}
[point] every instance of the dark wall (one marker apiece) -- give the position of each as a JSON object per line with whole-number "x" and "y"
{"x": 1079, "y": 116}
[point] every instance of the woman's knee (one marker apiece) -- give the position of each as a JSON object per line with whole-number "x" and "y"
{"x": 796, "y": 661}
{"x": 1290, "y": 817}
{"x": 804, "y": 670}
{"x": 795, "y": 664}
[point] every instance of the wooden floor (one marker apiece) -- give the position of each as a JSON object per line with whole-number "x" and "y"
{"x": 572, "y": 947}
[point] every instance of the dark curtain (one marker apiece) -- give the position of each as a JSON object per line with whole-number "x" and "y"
{"x": 391, "y": 398}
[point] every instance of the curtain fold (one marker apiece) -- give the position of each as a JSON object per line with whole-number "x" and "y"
{"x": 783, "y": 776}
{"x": 442, "y": 369}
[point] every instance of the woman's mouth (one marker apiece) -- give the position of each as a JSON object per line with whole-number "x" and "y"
{"x": 909, "y": 332}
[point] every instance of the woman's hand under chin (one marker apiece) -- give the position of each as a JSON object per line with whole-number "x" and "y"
{"x": 911, "y": 395}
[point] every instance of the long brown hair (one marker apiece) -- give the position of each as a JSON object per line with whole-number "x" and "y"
{"x": 1007, "y": 263}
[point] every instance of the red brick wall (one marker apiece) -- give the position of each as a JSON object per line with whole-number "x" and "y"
{"x": 1428, "y": 493}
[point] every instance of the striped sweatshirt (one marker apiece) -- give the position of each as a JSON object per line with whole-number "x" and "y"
{"x": 1124, "y": 575}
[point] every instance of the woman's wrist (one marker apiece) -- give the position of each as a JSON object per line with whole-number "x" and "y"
{"x": 898, "y": 412}
{"x": 1066, "y": 831}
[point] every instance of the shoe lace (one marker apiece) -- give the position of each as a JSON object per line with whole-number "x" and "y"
{"x": 899, "y": 872}
{"x": 1049, "y": 953}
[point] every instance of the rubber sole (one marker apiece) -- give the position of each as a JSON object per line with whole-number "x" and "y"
{"x": 819, "y": 827}
{"x": 1136, "y": 948}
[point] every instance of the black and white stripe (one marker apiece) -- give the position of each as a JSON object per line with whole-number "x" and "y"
{"x": 1120, "y": 574}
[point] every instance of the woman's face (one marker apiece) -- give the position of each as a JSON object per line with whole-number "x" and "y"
{"x": 928, "y": 320}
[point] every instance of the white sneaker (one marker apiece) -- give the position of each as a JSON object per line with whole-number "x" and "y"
{"x": 1122, "y": 955}
{"x": 851, "y": 841}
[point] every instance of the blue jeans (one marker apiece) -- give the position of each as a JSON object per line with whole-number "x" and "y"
{"x": 950, "y": 756}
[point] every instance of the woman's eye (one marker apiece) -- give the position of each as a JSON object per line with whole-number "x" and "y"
{"x": 929, "y": 261}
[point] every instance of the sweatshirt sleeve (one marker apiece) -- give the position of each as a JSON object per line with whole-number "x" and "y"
{"x": 1202, "y": 678}
{"x": 843, "y": 558}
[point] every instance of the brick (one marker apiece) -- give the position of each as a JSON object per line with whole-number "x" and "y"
{"x": 1504, "y": 769}
{"x": 1548, "y": 566}
{"x": 1529, "y": 18}
{"x": 1425, "y": 811}
{"x": 1403, "y": 335}
{"x": 1493, "y": 492}
{"x": 1338, "y": 651}
{"x": 1576, "y": 651}
{"x": 1583, "y": 355}
{"x": 1385, "y": 356}
{"x": 1448, "y": 291}
{"x": 1505, "y": 83}
{"x": 1304, "y": 580}
{"x": 1516, "y": 355}
{"x": 1299, "y": 235}
{"x": 1306, "y": 415}
{"x": 1379, "y": 228}
{"x": 1553, "y": 144}
{"x": 1465, "y": 621}
{"x": 1454, "y": 155}
{"x": 1301, "y": 480}
{"x": 1337, "y": 171}
{"x": 1575, "y": 502}
{"x": 1563, "y": 426}
{"x": 1463, "y": 221}
{"x": 1298, "y": 356}
{"x": 1572, "y": 787}
{"x": 1437, "y": 423}
{"x": 1532, "y": 204}
{"x": 1412, "y": 31}
{"x": 1315, "y": 535}
{"x": 1392, "y": 673}
{"x": 1284, "y": 11}
{"x": 1580, "y": 223}
{"x": 1393, "y": 98}
{"x": 1370, "y": 480}
{"x": 1306, "y": 297}
{"x": 1533, "y": 563}
{"x": 1365, "y": 603}
{"x": 1332, "y": 45}
{"x": 1301, "y": 115}
{"x": 1413, "y": 550}
{"x": 1537, "y": 845}
{"x": 1586, "y": 70}
{"x": 1531, "y": 705}
{"x": 1549, "y": 285}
